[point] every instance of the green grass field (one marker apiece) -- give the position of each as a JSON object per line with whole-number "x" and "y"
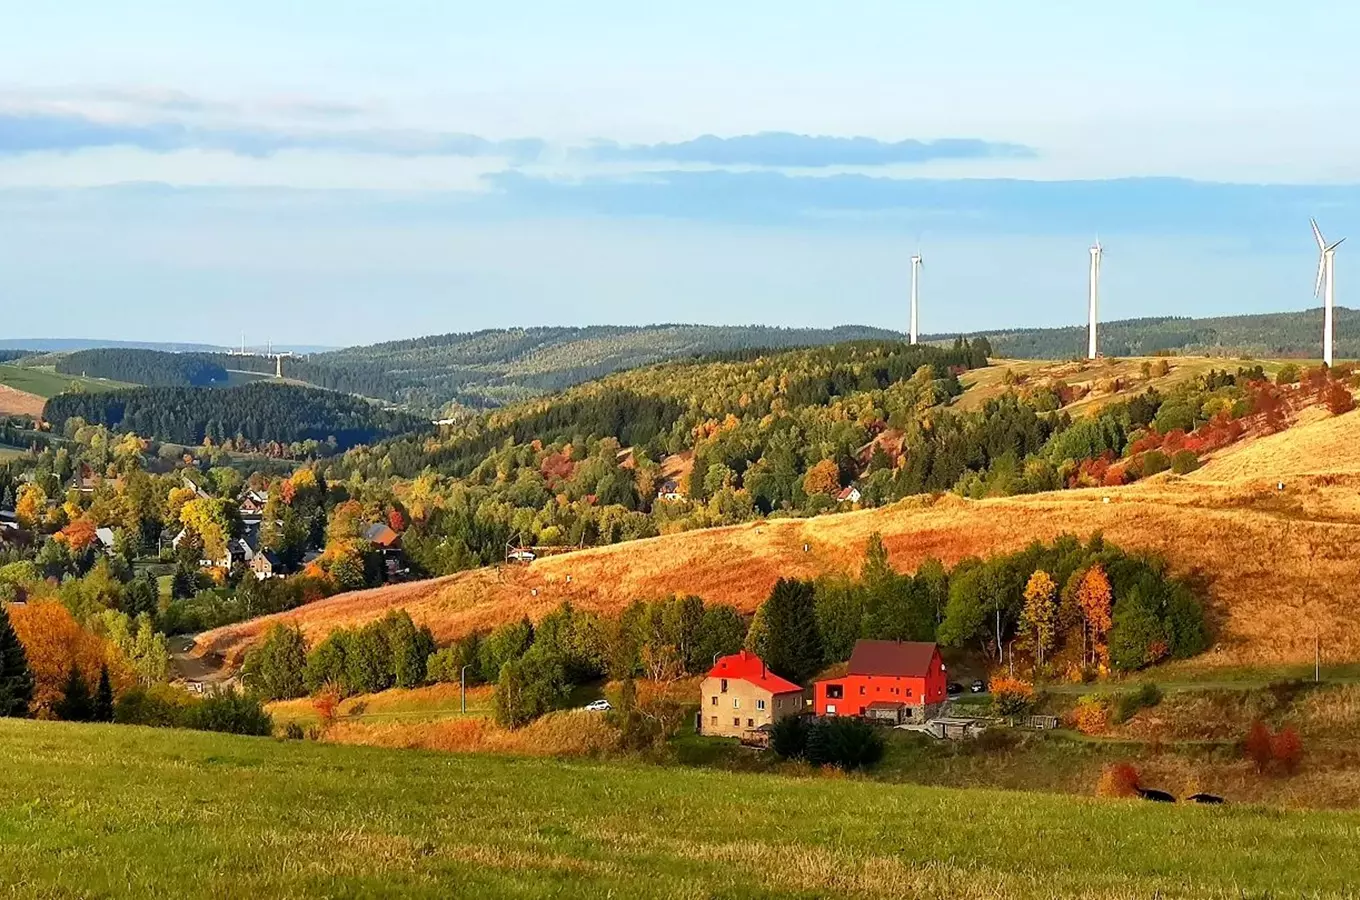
{"x": 104, "y": 811}
{"x": 47, "y": 382}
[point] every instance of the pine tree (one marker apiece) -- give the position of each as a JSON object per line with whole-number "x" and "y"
{"x": 75, "y": 704}
{"x": 793, "y": 640}
{"x": 16, "y": 679}
{"x": 103, "y": 697}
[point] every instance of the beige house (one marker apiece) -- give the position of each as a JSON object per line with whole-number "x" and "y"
{"x": 741, "y": 697}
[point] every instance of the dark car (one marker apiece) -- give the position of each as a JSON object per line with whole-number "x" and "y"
{"x": 954, "y": 689}
{"x": 979, "y": 687}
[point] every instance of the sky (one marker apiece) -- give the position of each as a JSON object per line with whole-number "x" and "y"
{"x": 345, "y": 172}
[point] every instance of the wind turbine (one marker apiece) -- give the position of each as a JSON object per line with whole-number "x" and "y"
{"x": 915, "y": 290}
{"x": 1326, "y": 273}
{"x": 1091, "y": 347}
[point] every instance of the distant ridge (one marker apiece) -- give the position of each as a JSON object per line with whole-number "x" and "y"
{"x": 1268, "y": 335}
{"x": 61, "y": 345}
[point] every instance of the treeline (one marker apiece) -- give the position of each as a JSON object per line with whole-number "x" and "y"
{"x": 153, "y": 368}
{"x": 258, "y": 413}
{"x": 1272, "y": 335}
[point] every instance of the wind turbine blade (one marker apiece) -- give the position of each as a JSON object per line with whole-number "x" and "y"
{"x": 1317, "y": 233}
{"x": 1322, "y": 268}
{"x": 1337, "y": 244}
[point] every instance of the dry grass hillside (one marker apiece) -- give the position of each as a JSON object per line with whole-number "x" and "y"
{"x": 1279, "y": 567}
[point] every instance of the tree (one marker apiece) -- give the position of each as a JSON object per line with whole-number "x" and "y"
{"x": 1258, "y": 745}
{"x": 1137, "y": 636}
{"x": 528, "y": 687}
{"x": 510, "y": 641}
{"x": 54, "y": 643}
{"x": 103, "y": 697}
{"x": 326, "y": 663}
{"x": 277, "y": 668}
{"x": 213, "y": 521}
{"x": 410, "y": 648}
{"x": 30, "y": 506}
{"x": 823, "y": 478}
{"x": 1095, "y": 598}
{"x": 1040, "y": 612}
{"x": 793, "y": 645}
{"x": 16, "y": 680}
{"x": 721, "y": 632}
{"x": 1287, "y": 749}
{"x": 75, "y": 704}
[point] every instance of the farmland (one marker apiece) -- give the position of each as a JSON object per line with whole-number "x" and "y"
{"x": 121, "y": 811}
{"x": 46, "y": 382}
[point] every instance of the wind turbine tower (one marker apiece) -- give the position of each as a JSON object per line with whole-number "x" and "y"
{"x": 1326, "y": 275}
{"x": 1092, "y": 347}
{"x": 915, "y": 291}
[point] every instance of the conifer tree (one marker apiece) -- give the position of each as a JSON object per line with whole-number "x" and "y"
{"x": 103, "y": 697}
{"x": 793, "y": 641}
{"x": 75, "y": 704}
{"x": 16, "y": 679}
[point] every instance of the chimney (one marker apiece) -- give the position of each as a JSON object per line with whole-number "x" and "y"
{"x": 762, "y": 669}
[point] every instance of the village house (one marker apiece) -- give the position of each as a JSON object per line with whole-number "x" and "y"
{"x": 670, "y": 491}
{"x": 388, "y": 543}
{"x": 266, "y": 565}
{"x": 892, "y": 681}
{"x": 251, "y": 504}
{"x": 742, "y": 698}
{"x": 850, "y": 494}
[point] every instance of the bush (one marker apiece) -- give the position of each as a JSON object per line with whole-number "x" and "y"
{"x": 844, "y": 742}
{"x": 1288, "y": 374}
{"x": 1258, "y": 746}
{"x": 1153, "y": 462}
{"x": 1183, "y": 462}
{"x": 1118, "y": 780}
{"x": 788, "y": 737}
{"x": 160, "y": 706}
{"x": 294, "y": 731}
{"x": 1011, "y": 696}
{"x": 1129, "y": 703}
{"x": 1287, "y": 749}
{"x": 230, "y": 711}
{"x": 1091, "y": 715}
{"x": 276, "y": 669}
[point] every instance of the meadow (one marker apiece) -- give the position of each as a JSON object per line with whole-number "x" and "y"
{"x": 46, "y": 382}
{"x": 122, "y": 811}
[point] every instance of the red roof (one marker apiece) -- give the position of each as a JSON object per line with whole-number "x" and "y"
{"x": 746, "y": 666}
{"x": 897, "y": 658}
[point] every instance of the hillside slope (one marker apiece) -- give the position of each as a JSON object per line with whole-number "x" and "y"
{"x": 1278, "y": 567}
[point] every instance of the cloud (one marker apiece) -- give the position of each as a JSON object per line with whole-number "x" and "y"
{"x": 780, "y": 149}
{"x": 36, "y": 132}
{"x": 1147, "y": 205}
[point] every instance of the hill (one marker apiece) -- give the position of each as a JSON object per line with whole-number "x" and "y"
{"x": 1273, "y": 335}
{"x": 491, "y": 368}
{"x": 261, "y": 413}
{"x": 1277, "y": 566}
{"x": 160, "y": 812}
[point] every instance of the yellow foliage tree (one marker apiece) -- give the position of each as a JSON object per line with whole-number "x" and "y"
{"x": 31, "y": 505}
{"x": 211, "y": 522}
{"x": 1095, "y": 597}
{"x": 1040, "y": 612}
{"x": 54, "y": 642}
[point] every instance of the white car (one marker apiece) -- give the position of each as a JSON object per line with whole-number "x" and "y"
{"x": 597, "y": 706}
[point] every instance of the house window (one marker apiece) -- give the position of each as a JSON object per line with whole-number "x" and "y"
{"x": 715, "y": 700}
{"x": 736, "y": 722}
{"x": 724, "y": 685}
{"x": 714, "y": 720}
{"x": 831, "y": 709}
{"x": 835, "y": 691}
{"x": 861, "y": 690}
{"x": 750, "y": 723}
{"x": 908, "y": 692}
{"x": 778, "y": 702}
{"x": 736, "y": 703}
{"x": 760, "y": 704}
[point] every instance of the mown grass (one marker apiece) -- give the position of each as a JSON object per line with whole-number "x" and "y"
{"x": 46, "y": 382}
{"x": 116, "y": 811}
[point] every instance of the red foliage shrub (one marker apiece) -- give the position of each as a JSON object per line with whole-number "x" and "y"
{"x": 1287, "y": 749}
{"x": 1115, "y": 476}
{"x": 1338, "y": 398}
{"x": 1118, "y": 780}
{"x": 1174, "y": 440}
{"x": 1259, "y": 746}
{"x": 326, "y": 704}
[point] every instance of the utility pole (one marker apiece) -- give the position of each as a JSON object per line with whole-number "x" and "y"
{"x": 462, "y": 686}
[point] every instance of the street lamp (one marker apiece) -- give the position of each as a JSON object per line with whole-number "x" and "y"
{"x": 462, "y": 686}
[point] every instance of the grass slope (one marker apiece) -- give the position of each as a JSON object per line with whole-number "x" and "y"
{"x": 45, "y": 382}
{"x": 115, "y": 811}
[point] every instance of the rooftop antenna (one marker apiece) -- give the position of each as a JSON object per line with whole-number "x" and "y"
{"x": 243, "y": 343}
{"x": 1326, "y": 287}
{"x": 915, "y": 288}
{"x": 1092, "y": 344}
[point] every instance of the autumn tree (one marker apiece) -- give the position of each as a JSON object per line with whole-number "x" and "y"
{"x": 54, "y": 643}
{"x": 1040, "y": 612}
{"x": 16, "y": 680}
{"x": 1095, "y": 598}
{"x": 822, "y": 478}
{"x": 1258, "y": 745}
{"x": 31, "y": 505}
{"x": 1287, "y": 749}
{"x": 214, "y": 522}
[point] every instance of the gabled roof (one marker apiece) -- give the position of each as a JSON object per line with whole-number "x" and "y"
{"x": 104, "y": 536}
{"x": 896, "y": 658}
{"x": 381, "y": 534}
{"x": 746, "y": 666}
{"x": 847, "y": 493}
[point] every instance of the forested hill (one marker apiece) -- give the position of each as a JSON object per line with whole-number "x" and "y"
{"x": 155, "y": 368}
{"x": 1273, "y": 335}
{"x": 260, "y": 413}
{"x": 491, "y": 368}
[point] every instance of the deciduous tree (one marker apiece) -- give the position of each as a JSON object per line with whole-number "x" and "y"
{"x": 1095, "y": 598}
{"x": 1040, "y": 612}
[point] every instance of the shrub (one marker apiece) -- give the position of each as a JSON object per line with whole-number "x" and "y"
{"x": 1120, "y": 779}
{"x": 327, "y": 703}
{"x": 1153, "y": 462}
{"x": 1338, "y": 398}
{"x": 276, "y": 669}
{"x": 1288, "y": 374}
{"x": 1287, "y": 749}
{"x": 844, "y": 742}
{"x": 230, "y": 711}
{"x": 1011, "y": 696}
{"x": 1258, "y": 745}
{"x": 160, "y": 706}
{"x": 789, "y": 736}
{"x": 1129, "y": 703}
{"x": 294, "y": 731}
{"x": 1091, "y": 715}
{"x": 1183, "y": 462}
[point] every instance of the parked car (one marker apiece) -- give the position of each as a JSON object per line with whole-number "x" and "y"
{"x": 597, "y": 706}
{"x": 954, "y": 689}
{"x": 979, "y": 687}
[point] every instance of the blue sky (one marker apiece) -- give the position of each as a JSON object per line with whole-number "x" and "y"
{"x": 343, "y": 172}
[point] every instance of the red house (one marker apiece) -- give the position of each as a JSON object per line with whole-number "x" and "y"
{"x": 898, "y": 681}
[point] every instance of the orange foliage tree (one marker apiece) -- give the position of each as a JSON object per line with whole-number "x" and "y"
{"x": 1118, "y": 780}
{"x": 55, "y": 643}
{"x": 1095, "y": 597}
{"x": 1258, "y": 746}
{"x": 78, "y": 535}
{"x": 823, "y": 478}
{"x": 1287, "y": 749}
{"x": 32, "y": 503}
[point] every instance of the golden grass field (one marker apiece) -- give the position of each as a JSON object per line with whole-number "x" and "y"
{"x": 14, "y": 402}
{"x": 1279, "y": 566}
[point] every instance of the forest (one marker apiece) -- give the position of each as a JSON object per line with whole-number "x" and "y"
{"x": 260, "y": 413}
{"x": 153, "y": 368}
{"x": 1272, "y": 335}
